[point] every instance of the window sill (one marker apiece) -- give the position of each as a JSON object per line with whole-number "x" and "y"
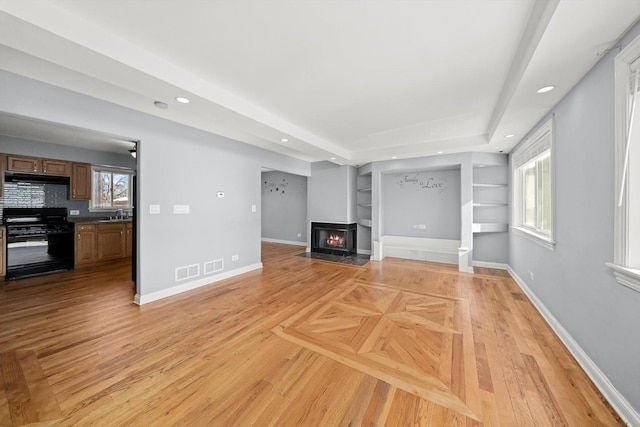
{"x": 541, "y": 239}
{"x": 626, "y": 276}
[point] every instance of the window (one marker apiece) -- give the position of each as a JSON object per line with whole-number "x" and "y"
{"x": 111, "y": 189}
{"x": 626, "y": 257}
{"x": 533, "y": 187}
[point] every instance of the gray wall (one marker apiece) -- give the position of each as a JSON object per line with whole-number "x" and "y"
{"x": 332, "y": 193}
{"x": 429, "y": 198}
{"x": 9, "y": 145}
{"x": 284, "y": 206}
{"x": 573, "y": 281}
{"x": 176, "y": 165}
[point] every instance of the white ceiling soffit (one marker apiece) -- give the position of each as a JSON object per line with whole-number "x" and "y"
{"x": 356, "y": 80}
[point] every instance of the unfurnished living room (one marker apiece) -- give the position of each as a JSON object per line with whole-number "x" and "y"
{"x": 320, "y": 213}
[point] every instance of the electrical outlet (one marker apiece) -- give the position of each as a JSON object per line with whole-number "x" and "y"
{"x": 74, "y": 212}
{"x": 234, "y": 258}
{"x": 299, "y": 234}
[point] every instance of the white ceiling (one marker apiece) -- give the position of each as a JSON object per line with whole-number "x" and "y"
{"x": 356, "y": 80}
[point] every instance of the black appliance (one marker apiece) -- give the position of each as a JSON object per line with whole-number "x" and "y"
{"x": 39, "y": 241}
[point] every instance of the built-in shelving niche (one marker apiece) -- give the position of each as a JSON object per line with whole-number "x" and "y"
{"x": 364, "y": 187}
{"x": 490, "y": 209}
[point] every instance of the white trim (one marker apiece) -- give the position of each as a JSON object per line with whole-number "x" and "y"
{"x": 284, "y": 242}
{"x": 626, "y": 276}
{"x": 185, "y": 287}
{"x": 364, "y": 251}
{"x": 487, "y": 264}
{"x": 540, "y": 239}
{"x": 629, "y": 416}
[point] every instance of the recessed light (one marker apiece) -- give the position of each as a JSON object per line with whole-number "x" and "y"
{"x": 284, "y": 140}
{"x": 182, "y": 100}
{"x": 333, "y": 158}
{"x": 439, "y": 152}
{"x": 161, "y": 105}
{"x": 394, "y": 157}
{"x": 509, "y": 136}
{"x": 546, "y": 89}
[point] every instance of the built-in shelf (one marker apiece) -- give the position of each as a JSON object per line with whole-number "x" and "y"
{"x": 490, "y": 185}
{"x": 364, "y": 222}
{"x": 490, "y": 195}
{"x": 480, "y": 205}
{"x": 489, "y": 228}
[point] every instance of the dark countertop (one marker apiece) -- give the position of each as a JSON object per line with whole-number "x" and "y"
{"x": 98, "y": 220}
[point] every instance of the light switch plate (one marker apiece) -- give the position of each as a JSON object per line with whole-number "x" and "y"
{"x": 154, "y": 209}
{"x": 254, "y": 208}
{"x": 181, "y": 209}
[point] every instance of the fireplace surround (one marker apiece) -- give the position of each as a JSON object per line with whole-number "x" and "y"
{"x": 334, "y": 238}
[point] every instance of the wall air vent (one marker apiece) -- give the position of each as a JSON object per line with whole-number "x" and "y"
{"x": 187, "y": 272}
{"x": 214, "y": 266}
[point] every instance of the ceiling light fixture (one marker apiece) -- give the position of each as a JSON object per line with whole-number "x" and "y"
{"x": 439, "y": 152}
{"x": 333, "y": 158}
{"x": 509, "y": 136}
{"x": 284, "y": 140}
{"x": 161, "y": 105}
{"x": 182, "y": 100}
{"x": 394, "y": 157}
{"x": 546, "y": 89}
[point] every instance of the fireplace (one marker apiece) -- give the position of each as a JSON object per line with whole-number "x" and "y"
{"x": 334, "y": 239}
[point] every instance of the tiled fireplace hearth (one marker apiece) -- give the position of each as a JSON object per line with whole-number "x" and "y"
{"x": 334, "y": 239}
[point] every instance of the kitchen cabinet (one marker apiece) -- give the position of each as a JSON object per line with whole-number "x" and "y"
{"x": 3, "y": 267}
{"x": 24, "y": 164}
{"x": 3, "y": 166}
{"x": 39, "y": 166}
{"x": 86, "y": 244}
{"x": 111, "y": 241}
{"x": 56, "y": 167}
{"x": 80, "y": 181}
{"x": 129, "y": 239}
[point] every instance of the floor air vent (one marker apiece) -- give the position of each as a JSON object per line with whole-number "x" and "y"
{"x": 187, "y": 272}
{"x": 211, "y": 267}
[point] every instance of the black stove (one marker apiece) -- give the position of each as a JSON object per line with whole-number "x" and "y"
{"x": 39, "y": 241}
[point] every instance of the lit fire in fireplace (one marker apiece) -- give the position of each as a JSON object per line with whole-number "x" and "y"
{"x": 335, "y": 240}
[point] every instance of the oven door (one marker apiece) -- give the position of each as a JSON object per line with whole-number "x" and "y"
{"x": 41, "y": 254}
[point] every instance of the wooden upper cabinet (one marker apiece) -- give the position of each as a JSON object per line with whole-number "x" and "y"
{"x": 56, "y": 167}
{"x": 3, "y": 166}
{"x": 24, "y": 164}
{"x": 80, "y": 181}
{"x": 40, "y": 166}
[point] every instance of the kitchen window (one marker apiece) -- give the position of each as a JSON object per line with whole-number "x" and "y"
{"x": 533, "y": 192}
{"x": 111, "y": 188}
{"x": 626, "y": 257}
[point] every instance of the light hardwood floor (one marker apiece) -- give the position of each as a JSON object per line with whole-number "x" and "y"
{"x": 301, "y": 342}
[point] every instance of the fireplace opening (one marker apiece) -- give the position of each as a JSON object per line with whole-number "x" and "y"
{"x": 335, "y": 239}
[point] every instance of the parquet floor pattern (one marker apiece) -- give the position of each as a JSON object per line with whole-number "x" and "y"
{"x": 300, "y": 343}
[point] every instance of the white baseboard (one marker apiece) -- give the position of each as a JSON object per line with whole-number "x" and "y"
{"x": 185, "y": 287}
{"x": 487, "y": 264}
{"x": 364, "y": 251}
{"x": 613, "y": 396}
{"x": 284, "y": 242}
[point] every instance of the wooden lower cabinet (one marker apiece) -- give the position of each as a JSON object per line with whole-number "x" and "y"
{"x": 111, "y": 241}
{"x": 3, "y": 267}
{"x": 129, "y": 239}
{"x": 86, "y": 244}
{"x": 103, "y": 242}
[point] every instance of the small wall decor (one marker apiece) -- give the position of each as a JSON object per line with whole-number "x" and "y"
{"x": 279, "y": 187}
{"x": 425, "y": 181}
